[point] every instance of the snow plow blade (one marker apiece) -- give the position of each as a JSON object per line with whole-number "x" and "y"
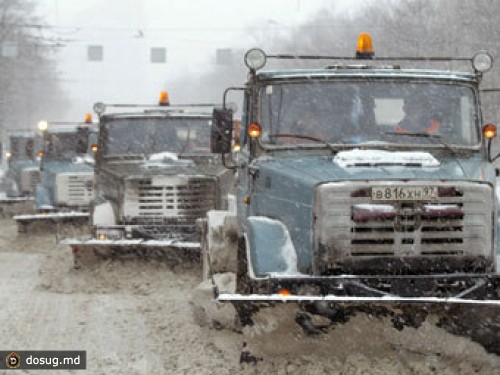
{"x": 74, "y": 217}
{"x": 10, "y": 200}
{"x": 466, "y": 289}
{"x": 55, "y": 216}
{"x": 276, "y": 298}
{"x": 10, "y": 206}
{"x": 88, "y": 250}
{"x": 471, "y": 312}
{"x": 94, "y": 242}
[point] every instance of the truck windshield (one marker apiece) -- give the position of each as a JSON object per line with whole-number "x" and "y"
{"x": 373, "y": 111}
{"x": 146, "y": 136}
{"x": 62, "y": 146}
{"x": 22, "y": 148}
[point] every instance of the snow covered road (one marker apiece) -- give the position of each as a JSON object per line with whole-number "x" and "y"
{"x": 135, "y": 317}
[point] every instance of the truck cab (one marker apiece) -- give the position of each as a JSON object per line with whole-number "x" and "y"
{"x": 66, "y": 188}
{"x": 67, "y": 169}
{"x": 155, "y": 177}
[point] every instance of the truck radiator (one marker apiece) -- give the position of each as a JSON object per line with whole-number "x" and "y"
{"x": 168, "y": 200}
{"x": 353, "y": 227}
{"x": 30, "y": 178}
{"x": 74, "y": 189}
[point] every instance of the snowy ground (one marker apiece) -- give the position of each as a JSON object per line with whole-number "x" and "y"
{"x": 135, "y": 317}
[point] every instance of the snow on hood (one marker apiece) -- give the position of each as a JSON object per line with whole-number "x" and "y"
{"x": 86, "y": 159}
{"x": 34, "y": 168}
{"x": 357, "y": 157}
{"x": 166, "y": 159}
{"x": 160, "y": 156}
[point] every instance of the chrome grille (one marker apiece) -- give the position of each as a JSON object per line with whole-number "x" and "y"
{"x": 74, "y": 189}
{"x": 163, "y": 199}
{"x": 350, "y": 225}
{"x": 30, "y": 177}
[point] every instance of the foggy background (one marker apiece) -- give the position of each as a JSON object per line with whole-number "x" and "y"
{"x": 59, "y": 57}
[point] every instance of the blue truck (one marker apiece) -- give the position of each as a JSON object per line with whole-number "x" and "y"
{"x": 65, "y": 190}
{"x": 339, "y": 200}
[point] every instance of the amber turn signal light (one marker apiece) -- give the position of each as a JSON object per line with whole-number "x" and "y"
{"x": 254, "y": 130}
{"x": 489, "y": 131}
{"x": 284, "y": 292}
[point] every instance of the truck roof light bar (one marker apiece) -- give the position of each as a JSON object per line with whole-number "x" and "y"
{"x": 481, "y": 62}
{"x": 100, "y": 107}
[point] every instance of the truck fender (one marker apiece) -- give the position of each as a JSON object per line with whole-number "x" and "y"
{"x": 42, "y": 198}
{"x": 269, "y": 247}
{"x": 11, "y": 188}
{"x": 103, "y": 214}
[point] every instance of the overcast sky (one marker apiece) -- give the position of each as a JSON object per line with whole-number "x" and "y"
{"x": 190, "y": 30}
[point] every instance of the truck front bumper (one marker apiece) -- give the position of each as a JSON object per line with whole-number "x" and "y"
{"x": 478, "y": 289}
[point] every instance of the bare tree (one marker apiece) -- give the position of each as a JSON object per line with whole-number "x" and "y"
{"x": 28, "y": 68}
{"x": 398, "y": 28}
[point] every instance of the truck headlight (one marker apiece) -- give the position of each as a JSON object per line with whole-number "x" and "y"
{"x": 482, "y": 61}
{"x": 103, "y": 234}
{"x": 255, "y": 58}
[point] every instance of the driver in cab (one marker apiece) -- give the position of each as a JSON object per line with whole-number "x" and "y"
{"x": 417, "y": 118}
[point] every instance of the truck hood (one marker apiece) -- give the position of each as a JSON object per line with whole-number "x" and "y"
{"x": 140, "y": 169}
{"x": 54, "y": 167}
{"x": 18, "y": 165}
{"x": 369, "y": 166}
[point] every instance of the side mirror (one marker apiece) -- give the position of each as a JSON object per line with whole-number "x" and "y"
{"x": 82, "y": 140}
{"x": 30, "y": 149}
{"x": 222, "y": 131}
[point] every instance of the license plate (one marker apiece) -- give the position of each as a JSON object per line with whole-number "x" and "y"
{"x": 406, "y": 193}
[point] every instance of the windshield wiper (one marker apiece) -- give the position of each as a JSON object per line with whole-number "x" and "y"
{"x": 430, "y": 136}
{"x": 308, "y": 137}
{"x": 415, "y": 134}
{"x": 124, "y": 156}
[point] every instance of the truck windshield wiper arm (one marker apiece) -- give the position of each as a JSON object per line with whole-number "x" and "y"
{"x": 415, "y": 134}
{"x": 430, "y": 136}
{"x": 308, "y": 137}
